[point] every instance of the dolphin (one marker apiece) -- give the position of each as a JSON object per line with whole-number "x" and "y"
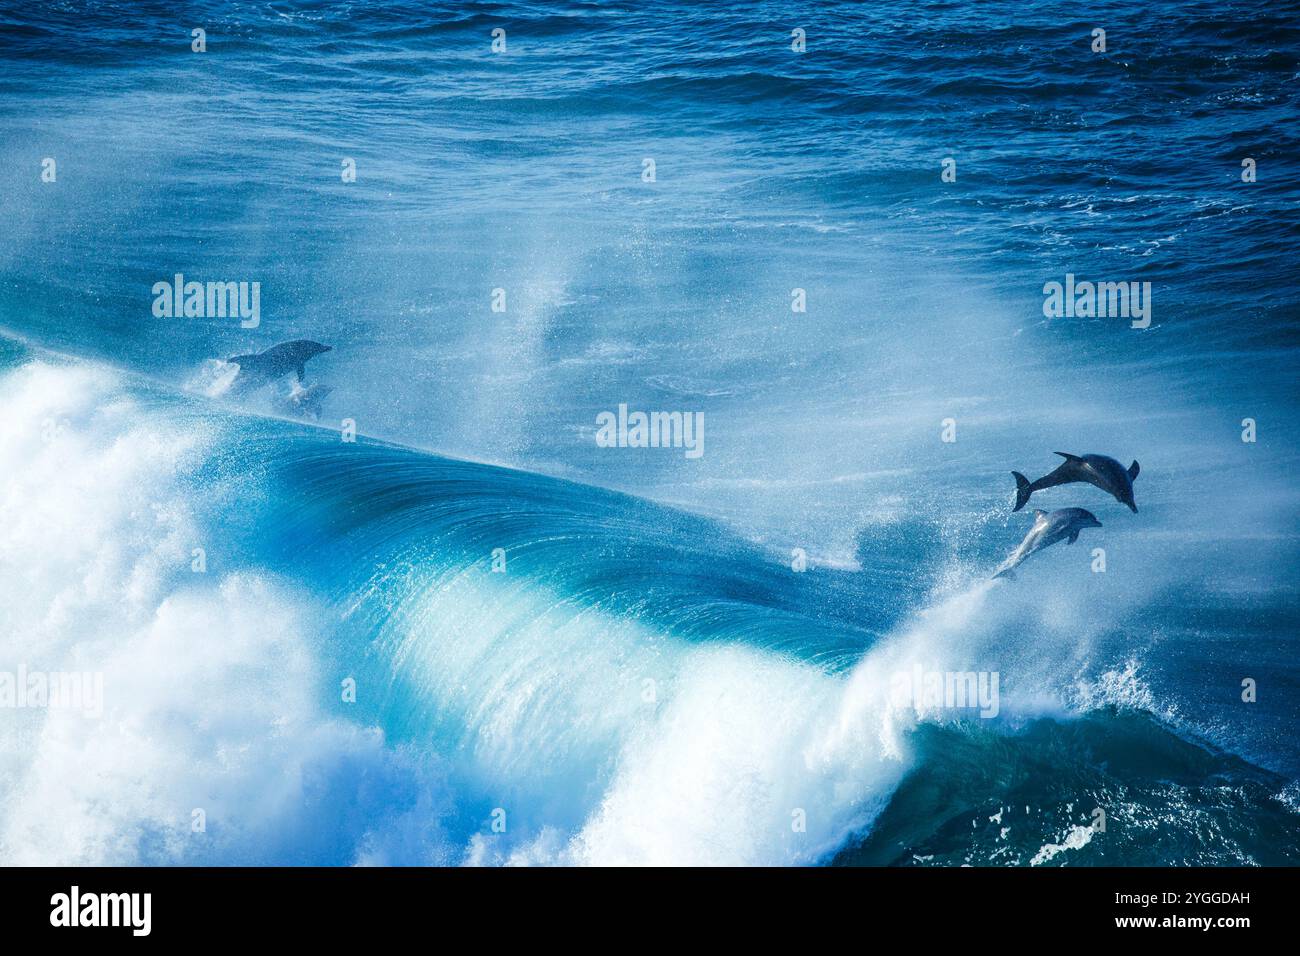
{"x": 1106, "y": 473}
{"x": 263, "y": 368}
{"x": 1046, "y": 531}
{"x": 304, "y": 402}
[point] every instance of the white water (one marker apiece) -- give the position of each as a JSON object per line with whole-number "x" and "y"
{"x": 218, "y": 695}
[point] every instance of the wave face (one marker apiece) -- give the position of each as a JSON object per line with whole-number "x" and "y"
{"x": 637, "y": 685}
{"x": 648, "y": 680}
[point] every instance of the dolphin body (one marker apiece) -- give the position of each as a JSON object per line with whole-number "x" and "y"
{"x": 1048, "y": 529}
{"x": 264, "y": 368}
{"x": 304, "y": 402}
{"x": 1106, "y": 473}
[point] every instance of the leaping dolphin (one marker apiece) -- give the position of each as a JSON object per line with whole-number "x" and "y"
{"x": 1106, "y": 473}
{"x": 263, "y": 368}
{"x": 304, "y": 402}
{"x": 1047, "y": 530}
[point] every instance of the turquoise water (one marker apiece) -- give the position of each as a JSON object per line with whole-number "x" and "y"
{"x": 648, "y": 680}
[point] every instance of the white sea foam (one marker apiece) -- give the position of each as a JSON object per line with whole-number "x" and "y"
{"x": 212, "y": 700}
{"x": 1076, "y": 839}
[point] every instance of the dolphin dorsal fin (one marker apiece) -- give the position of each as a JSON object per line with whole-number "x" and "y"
{"x": 1133, "y": 470}
{"x": 1067, "y": 456}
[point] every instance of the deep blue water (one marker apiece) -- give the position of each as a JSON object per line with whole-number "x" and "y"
{"x": 526, "y": 690}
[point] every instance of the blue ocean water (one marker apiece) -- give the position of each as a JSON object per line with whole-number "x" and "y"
{"x": 649, "y": 680}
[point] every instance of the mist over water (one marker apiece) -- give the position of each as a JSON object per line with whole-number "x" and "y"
{"x": 774, "y": 171}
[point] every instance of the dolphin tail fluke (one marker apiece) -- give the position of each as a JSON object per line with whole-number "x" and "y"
{"x": 302, "y": 371}
{"x": 1005, "y": 573}
{"x": 242, "y": 360}
{"x": 1022, "y": 490}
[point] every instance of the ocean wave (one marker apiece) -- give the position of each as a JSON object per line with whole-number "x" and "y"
{"x": 636, "y": 685}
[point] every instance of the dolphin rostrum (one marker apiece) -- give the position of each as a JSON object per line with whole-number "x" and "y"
{"x": 1048, "y": 529}
{"x": 1106, "y": 473}
{"x": 263, "y": 368}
